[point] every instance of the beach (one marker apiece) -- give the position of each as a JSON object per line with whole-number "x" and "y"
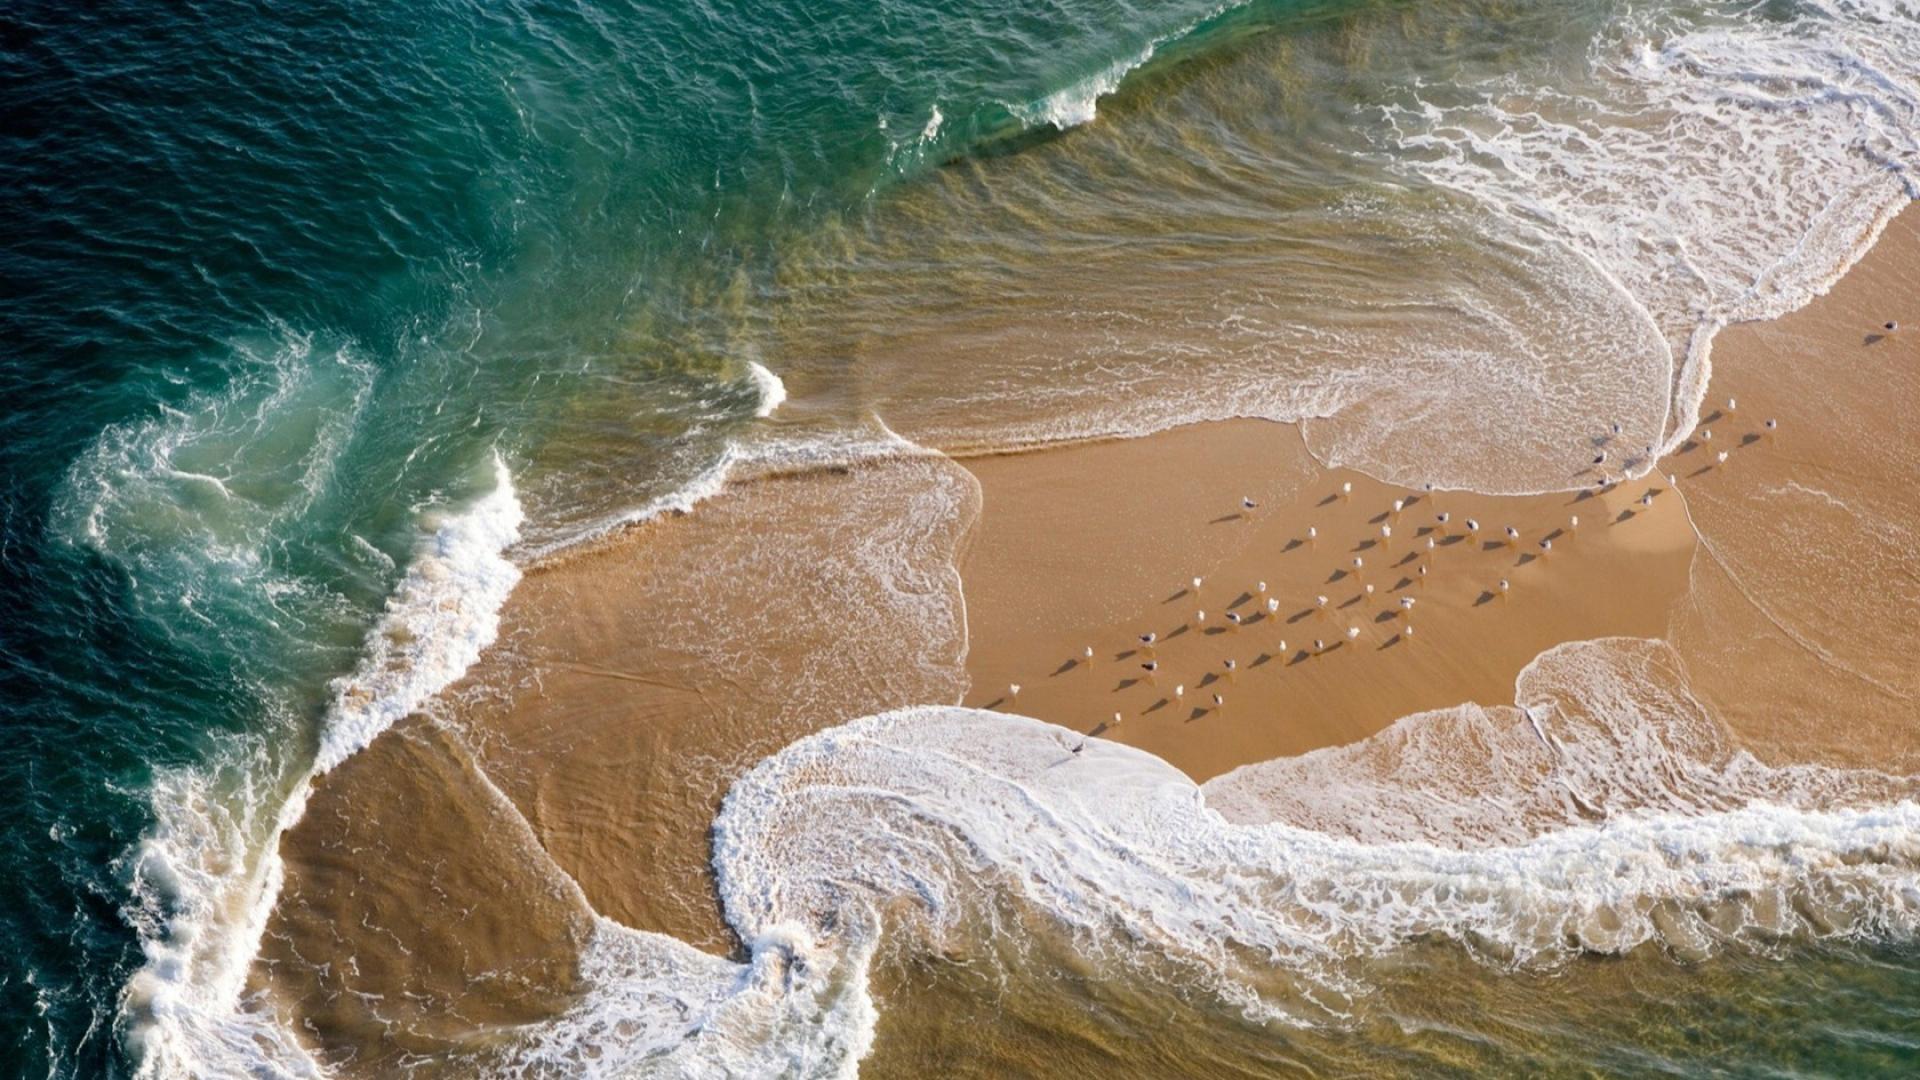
{"x": 592, "y": 746}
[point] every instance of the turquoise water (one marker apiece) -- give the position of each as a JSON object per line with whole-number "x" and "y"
{"x": 292, "y": 295}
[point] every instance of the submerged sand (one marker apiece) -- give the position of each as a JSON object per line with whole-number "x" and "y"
{"x": 444, "y": 879}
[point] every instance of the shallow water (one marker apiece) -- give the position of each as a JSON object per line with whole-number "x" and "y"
{"x": 323, "y": 323}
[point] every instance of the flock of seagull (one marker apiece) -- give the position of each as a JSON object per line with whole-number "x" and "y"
{"x": 1441, "y": 530}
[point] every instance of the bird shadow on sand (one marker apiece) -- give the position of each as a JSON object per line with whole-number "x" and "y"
{"x": 1258, "y": 660}
{"x": 1176, "y": 596}
{"x": 1874, "y": 338}
{"x": 1224, "y": 518}
{"x": 1485, "y": 597}
{"x": 1066, "y": 667}
{"x": 1389, "y": 643}
{"x": 1293, "y": 543}
{"x": 1156, "y": 707}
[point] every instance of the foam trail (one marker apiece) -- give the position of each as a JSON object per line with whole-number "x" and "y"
{"x": 912, "y": 828}
{"x": 207, "y": 876}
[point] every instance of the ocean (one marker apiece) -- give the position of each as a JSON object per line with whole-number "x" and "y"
{"x": 323, "y": 324}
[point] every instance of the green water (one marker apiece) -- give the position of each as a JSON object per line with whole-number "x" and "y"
{"x": 282, "y": 286}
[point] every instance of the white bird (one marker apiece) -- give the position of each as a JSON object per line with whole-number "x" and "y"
{"x": 1386, "y": 534}
{"x": 1346, "y": 488}
{"x": 1546, "y": 547}
{"x": 1399, "y": 505}
{"x": 1200, "y": 618}
{"x": 1733, "y": 405}
{"x": 1503, "y": 585}
{"x": 1473, "y": 526}
{"x": 1771, "y": 424}
{"x": 1320, "y": 601}
{"x": 1647, "y": 499}
{"x": 1407, "y": 631}
{"x": 1273, "y": 605}
{"x": 1432, "y": 544}
{"x": 1013, "y": 690}
{"x": 1116, "y": 719}
{"x": 1513, "y": 535}
{"x": 1353, "y": 632}
{"x": 1261, "y": 589}
{"x": 1234, "y": 618}
{"x": 1218, "y": 701}
{"x": 1087, "y": 652}
{"x": 1283, "y": 647}
{"x": 1369, "y": 594}
{"x": 1616, "y": 429}
{"x": 1196, "y": 584}
{"x": 1359, "y": 564}
{"x": 1149, "y": 638}
{"x": 1573, "y": 522}
{"x": 1180, "y": 691}
{"x": 1319, "y": 645}
{"x": 1312, "y": 534}
{"x": 1151, "y": 666}
{"x": 1444, "y": 518}
{"x": 1423, "y": 575}
{"x": 1706, "y": 435}
{"x": 1406, "y": 603}
{"x": 1246, "y": 503}
{"x": 1230, "y": 665}
{"x": 1722, "y": 457}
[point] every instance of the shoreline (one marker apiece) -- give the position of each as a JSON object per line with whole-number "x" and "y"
{"x": 609, "y": 731}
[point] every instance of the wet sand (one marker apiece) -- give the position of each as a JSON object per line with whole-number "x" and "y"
{"x": 636, "y": 681}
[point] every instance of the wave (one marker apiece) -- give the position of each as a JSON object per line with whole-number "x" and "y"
{"x": 914, "y": 829}
{"x": 772, "y": 391}
{"x": 206, "y": 876}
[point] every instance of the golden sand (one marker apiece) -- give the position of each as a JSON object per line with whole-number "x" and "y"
{"x": 634, "y": 683}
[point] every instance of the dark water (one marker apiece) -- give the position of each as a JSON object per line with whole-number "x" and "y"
{"x": 281, "y": 286}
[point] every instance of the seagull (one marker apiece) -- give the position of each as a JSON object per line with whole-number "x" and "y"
{"x": 1200, "y": 618}
{"x": 1473, "y": 526}
{"x": 1319, "y": 646}
{"x": 1513, "y": 535}
{"x": 1399, "y": 505}
{"x": 1573, "y": 522}
{"x": 1196, "y": 584}
{"x": 1218, "y": 701}
{"x": 1406, "y": 631}
{"x": 1283, "y": 647}
{"x": 1321, "y": 602}
{"x": 1546, "y": 547}
{"x": 1312, "y": 534}
{"x": 1772, "y": 424}
{"x": 1444, "y": 518}
{"x": 1386, "y": 535}
{"x": 1087, "y": 652}
{"x": 1369, "y": 594}
{"x": 1273, "y": 605}
{"x": 1234, "y": 618}
{"x": 1148, "y": 638}
{"x": 1151, "y": 666}
{"x": 1723, "y": 457}
{"x": 1116, "y": 719}
{"x": 1600, "y": 458}
{"x": 1504, "y": 586}
{"x": 1180, "y": 691}
{"x": 1246, "y": 503}
{"x": 1013, "y": 690}
{"x": 1346, "y": 488}
{"x": 1733, "y": 405}
{"x": 1353, "y": 632}
{"x": 1082, "y": 746}
{"x": 1616, "y": 428}
{"x": 1260, "y": 589}
{"x": 1359, "y": 564}
{"x": 1647, "y": 499}
{"x": 1406, "y": 603}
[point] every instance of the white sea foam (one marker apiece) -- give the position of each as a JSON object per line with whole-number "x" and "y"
{"x": 1077, "y": 104}
{"x": 908, "y": 824}
{"x": 1717, "y": 170}
{"x": 772, "y": 391}
{"x": 206, "y": 876}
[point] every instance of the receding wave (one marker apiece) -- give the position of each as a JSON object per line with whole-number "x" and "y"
{"x": 915, "y": 829}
